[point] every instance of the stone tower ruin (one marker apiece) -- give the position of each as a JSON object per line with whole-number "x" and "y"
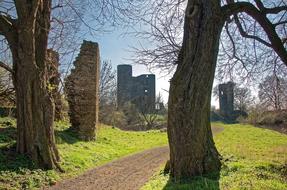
{"x": 124, "y": 84}
{"x": 138, "y": 90}
{"x": 226, "y": 98}
{"x": 82, "y": 87}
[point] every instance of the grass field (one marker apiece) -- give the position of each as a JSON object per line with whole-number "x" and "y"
{"x": 253, "y": 159}
{"x": 17, "y": 172}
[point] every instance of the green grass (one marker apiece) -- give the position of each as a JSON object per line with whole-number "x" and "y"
{"x": 253, "y": 159}
{"x": 18, "y": 172}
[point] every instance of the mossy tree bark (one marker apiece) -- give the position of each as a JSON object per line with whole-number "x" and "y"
{"x": 28, "y": 37}
{"x": 192, "y": 149}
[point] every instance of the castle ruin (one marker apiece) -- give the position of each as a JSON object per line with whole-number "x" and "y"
{"x": 139, "y": 90}
{"x": 226, "y": 98}
{"x": 82, "y": 87}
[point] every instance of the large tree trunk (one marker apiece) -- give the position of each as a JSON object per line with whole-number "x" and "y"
{"x": 192, "y": 149}
{"x": 35, "y": 117}
{"x": 35, "y": 107}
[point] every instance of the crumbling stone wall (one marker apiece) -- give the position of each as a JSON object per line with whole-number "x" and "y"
{"x": 54, "y": 81}
{"x": 82, "y": 91}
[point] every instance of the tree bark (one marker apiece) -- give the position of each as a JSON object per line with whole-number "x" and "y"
{"x": 192, "y": 149}
{"x": 35, "y": 117}
{"x": 35, "y": 107}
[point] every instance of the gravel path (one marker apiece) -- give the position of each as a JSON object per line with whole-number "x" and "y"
{"x": 128, "y": 173}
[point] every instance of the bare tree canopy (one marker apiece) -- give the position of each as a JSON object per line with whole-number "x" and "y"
{"x": 243, "y": 98}
{"x": 273, "y": 92}
{"x": 253, "y": 40}
{"x": 108, "y": 85}
{"x": 164, "y": 20}
{"x": 107, "y": 93}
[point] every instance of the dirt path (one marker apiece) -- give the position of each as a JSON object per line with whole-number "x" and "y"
{"x": 128, "y": 173}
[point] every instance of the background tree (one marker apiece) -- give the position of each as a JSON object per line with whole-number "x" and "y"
{"x": 107, "y": 93}
{"x": 243, "y": 98}
{"x": 164, "y": 21}
{"x": 107, "y": 86}
{"x": 273, "y": 92}
{"x": 132, "y": 115}
{"x": 7, "y": 92}
{"x": 149, "y": 118}
{"x": 150, "y": 114}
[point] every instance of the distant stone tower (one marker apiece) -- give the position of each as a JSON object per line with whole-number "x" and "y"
{"x": 226, "y": 98}
{"x": 138, "y": 90}
{"x": 124, "y": 83}
{"x": 143, "y": 92}
{"x": 82, "y": 87}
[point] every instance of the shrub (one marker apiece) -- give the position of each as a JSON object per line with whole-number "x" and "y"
{"x": 259, "y": 116}
{"x": 273, "y": 118}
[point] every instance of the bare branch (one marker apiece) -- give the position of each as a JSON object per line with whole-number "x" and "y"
{"x": 250, "y": 9}
{"x": 8, "y": 29}
{"x": 6, "y": 24}
{"x": 6, "y": 67}
{"x": 275, "y": 10}
{"x": 246, "y": 35}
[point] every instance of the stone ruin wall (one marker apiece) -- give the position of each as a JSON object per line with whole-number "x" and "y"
{"x": 54, "y": 81}
{"x": 82, "y": 87}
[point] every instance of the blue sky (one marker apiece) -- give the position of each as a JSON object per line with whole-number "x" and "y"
{"x": 116, "y": 47}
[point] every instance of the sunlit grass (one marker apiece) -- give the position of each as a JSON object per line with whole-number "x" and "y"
{"x": 18, "y": 172}
{"x": 253, "y": 158}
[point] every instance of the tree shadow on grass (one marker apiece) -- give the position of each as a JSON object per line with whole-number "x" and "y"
{"x": 18, "y": 171}
{"x": 208, "y": 182}
{"x": 9, "y": 159}
{"x": 7, "y": 134}
{"x": 14, "y": 162}
{"x": 66, "y": 136}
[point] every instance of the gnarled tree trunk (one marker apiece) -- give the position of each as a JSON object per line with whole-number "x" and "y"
{"x": 35, "y": 117}
{"x": 35, "y": 108}
{"x": 192, "y": 149}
